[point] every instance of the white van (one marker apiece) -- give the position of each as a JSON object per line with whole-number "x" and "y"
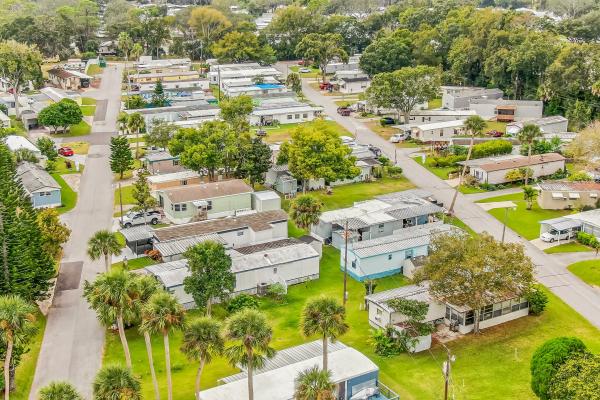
{"x": 553, "y": 235}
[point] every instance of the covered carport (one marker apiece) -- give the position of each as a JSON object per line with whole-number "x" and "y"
{"x": 560, "y": 224}
{"x": 138, "y": 238}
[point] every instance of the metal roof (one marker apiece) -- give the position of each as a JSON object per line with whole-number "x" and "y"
{"x": 175, "y": 247}
{"x": 135, "y": 233}
{"x": 170, "y": 274}
{"x": 562, "y": 223}
{"x": 412, "y": 292}
{"x": 174, "y": 176}
{"x": 266, "y": 195}
{"x": 34, "y": 178}
{"x": 14, "y": 142}
{"x": 441, "y": 125}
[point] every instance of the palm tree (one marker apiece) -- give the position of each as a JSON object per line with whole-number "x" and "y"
{"x": 314, "y": 384}
{"x": 59, "y": 391}
{"x": 528, "y": 134}
{"x": 161, "y": 315}
{"x": 251, "y": 334}
{"x": 474, "y": 125}
{"x": 529, "y": 194}
{"x": 202, "y": 341}
{"x": 122, "y": 120}
{"x": 115, "y": 382}
{"x": 16, "y": 326}
{"x": 326, "y": 317}
{"x": 104, "y": 243}
{"x": 146, "y": 286}
{"x": 113, "y": 296}
{"x": 305, "y": 210}
{"x": 136, "y": 123}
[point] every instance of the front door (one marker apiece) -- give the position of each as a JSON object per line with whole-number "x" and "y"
{"x": 341, "y": 390}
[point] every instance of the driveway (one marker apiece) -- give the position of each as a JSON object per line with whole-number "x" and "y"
{"x": 550, "y": 272}
{"x": 73, "y": 342}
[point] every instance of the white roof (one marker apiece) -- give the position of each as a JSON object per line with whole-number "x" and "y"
{"x": 285, "y": 108}
{"x": 279, "y": 384}
{"x": 441, "y": 125}
{"x": 411, "y": 292}
{"x": 591, "y": 217}
{"x": 441, "y": 112}
{"x": 14, "y": 143}
{"x": 266, "y": 195}
{"x": 174, "y": 176}
{"x": 271, "y": 257}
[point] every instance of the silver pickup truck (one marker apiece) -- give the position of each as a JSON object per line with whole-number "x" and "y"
{"x": 137, "y": 218}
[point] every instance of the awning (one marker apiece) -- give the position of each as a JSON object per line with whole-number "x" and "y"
{"x": 594, "y": 195}
{"x": 556, "y": 195}
{"x": 561, "y": 224}
{"x": 200, "y": 203}
{"x": 573, "y": 195}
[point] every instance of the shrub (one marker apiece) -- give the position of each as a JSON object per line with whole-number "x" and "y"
{"x": 242, "y": 301}
{"x": 587, "y": 239}
{"x": 548, "y": 358}
{"x": 444, "y": 162}
{"x": 47, "y": 148}
{"x": 580, "y": 176}
{"x": 277, "y": 291}
{"x": 577, "y": 379}
{"x": 491, "y": 148}
{"x": 537, "y": 299}
{"x": 394, "y": 171}
{"x": 386, "y": 345}
{"x": 559, "y": 174}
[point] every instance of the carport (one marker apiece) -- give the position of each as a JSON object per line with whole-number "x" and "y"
{"x": 560, "y": 224}
{"x": 138, "y": 238}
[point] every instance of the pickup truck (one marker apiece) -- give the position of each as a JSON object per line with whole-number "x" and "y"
{"x": 137, "y": 218}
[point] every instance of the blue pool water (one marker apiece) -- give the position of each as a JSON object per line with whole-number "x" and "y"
{"x": 268, "y": 85}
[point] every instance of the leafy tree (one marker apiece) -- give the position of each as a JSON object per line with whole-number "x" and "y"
{"x": 325, "y": 317}
{"x": 121, "y": 159}
{"x": 159, "y": 98}
{"x": 529, "y": 195}
{"x": 239, "y": 47}
{"x": 161, "y": 133}
{"x": 353, "y": 30}
{"x": 201, "y": 342}
{"x": 475, "y": 126}
{"x": 135, "y": 102}
{"x": 476, "y": 271}
{"x": 305, "y": 211}
{"x": 209, "y": 24}
{"x": 141, "y": 192}
{"x": 316, "y": 151}
{"x": 537, "y": 299}
{"x": 577, "y": 379}
{"x": 254, "y": 160}
{"x": 162, "y": 315}
{"x": 387, "y": 54}
{"x": 528, "y": 134}
{"x": 403, "y": 89}
{"x": 288, "y": 27}
{"x": 113, "y": 296}
{"x": 321, "y": 49}
{"x": 242, "y": 301}
{"x": 580, "y": 176}
{"x": 104, "y": 243}
{"x": 250, "y": 335}
{"x": 116, "y": 382}
{"x": 4, "y": 108}
{"x": 211, "y": 275}
{"x": 235, "y": 112}
{"x": 19, "y": 64}
{"x": 47, "y": 147}
{"x": 51, "y": 117}
{"x": 16, "y": 326}
{"x": 548, "y": 358}
{"x": 415, "y": 312}
{"x": 579, "y": 115}
{"x": 53, "y": 232}
{"x": 136, "y": 123}
{"x": 294, "y": 82}
{"x": 586, "y": 145}
{"x": 314, "y": 383}
{"x": 122, "y": 121}
{"x": 59, "y": 391}
{"x": 61, "y": 115}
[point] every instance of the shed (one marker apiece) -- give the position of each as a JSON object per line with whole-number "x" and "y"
{"x": 138, "y": 238}
{"x": 266, "y": 200}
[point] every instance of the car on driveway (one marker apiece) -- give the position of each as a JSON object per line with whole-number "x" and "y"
{"x": 495, "y": 133}
{"x": 553, "y": 235}
{"x": 66, "y": 151}
{"x": 387, "y": 121}
{"x": 137, "y": 218}
{"x": 399, "y": 137}
{"x": 304, "y": 70}
{"x": 344, "y": 111}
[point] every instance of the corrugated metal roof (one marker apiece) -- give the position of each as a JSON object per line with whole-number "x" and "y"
{"x": 34, "y": 178}
{"x": 174, "y": 176}
{"x": 135, "y": 233}
{"x": 412, "y": 292}
{"x": 562, "y": 223}
{"x": 175, "y": 247}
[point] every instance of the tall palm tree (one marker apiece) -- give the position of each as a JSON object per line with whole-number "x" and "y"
{"x": 114, "y": 382}
{"x": 326, "y": 317}
{"x": 104, "y": 243}
{"x": 474, "y": 125}
{"x": 251, "y": 334}
{"x": 314, "y": 384}
{"x": 59, "y": 391}
{"x": 136, "y": 123}
{"x": 146, "y": 286}
{"x": 16, "y": 325}
{"x": 202, "y": 341}
{"x": 122, "y": 120}
{"x": 305, "y": 211}
{"x": 161, "y": 315}
{"x": 113, "y": 296}
{"x": 528, "y": 134}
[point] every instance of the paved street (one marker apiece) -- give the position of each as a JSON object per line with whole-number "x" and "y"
{"x": 73, "y": 341}
{"x": 550, "y": 271}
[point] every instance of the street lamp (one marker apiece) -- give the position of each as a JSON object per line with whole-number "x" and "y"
{"x": 505, "y": 220}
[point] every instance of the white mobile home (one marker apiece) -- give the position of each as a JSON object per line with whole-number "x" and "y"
{"x": 507, "y": 110}
{"x": 430, "y": 116}
{"x": 493, "y": 171}
{"x": 459, "y": 97}
{"x": 548, "y": 125}
{"x": 283, "y": 111}
{"x": 438, "y": 131}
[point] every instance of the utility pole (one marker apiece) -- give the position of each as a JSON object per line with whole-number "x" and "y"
{"x": 219, "y": 84}
{"x": 121, "y": 202}
{"x": 345, "y": 260}
{"x": 447, "y": 369}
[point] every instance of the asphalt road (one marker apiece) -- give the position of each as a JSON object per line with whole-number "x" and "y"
{"x": 550, "y": 271}
{"x": 73, "y": 342}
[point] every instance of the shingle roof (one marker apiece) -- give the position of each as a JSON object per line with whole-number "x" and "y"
{"x": 520, "y": 162}
{"x": 257, "y": 222}
{"x": 35, "y": 178}
{"x": 208, "y": 190}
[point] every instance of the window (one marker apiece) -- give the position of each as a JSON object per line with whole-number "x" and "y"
{"x": 470, "y": 318}
{"x": 289, "y": 116}
{"x": 184, "y": 207}
{"x": 177, "y": 207}
{"x": 296, "y": 116}
{"x": 354, "y": 264}
{"x": 304, "y": 115}
{"x": 180, "y": 207}
{"x": 380, "y": 228}
{"x": 183, "y": 182}
{"x": 379, "y": 312}
{"x": 209, "y": 205}
{"x": 175, "y": 162}
{"x": 409, "y": 253}
{"x": 240, "y": 233}
{"x": 389, "y": 256}
{"x": 275, "y": 270}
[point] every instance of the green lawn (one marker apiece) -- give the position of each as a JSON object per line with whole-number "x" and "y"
{"x": 68, "y": 195}
{"x": 78, "y": 147}
{"x": 345, "y": 103}
{"x": 314, "y": 72}
{"x": 94, "y": 69}
{"x": 482, "y": 365}
{"x": 588, "y": 271}
{"x": 522, "y": 221}
{"x": 571, "y": 247}
{"x": 441, "y": 173}
{"x": 127, "y": 193}
{"x": 470, "y": 189}
{"x": 281, "y": 133}
{"x": 495, "y": 126}
{"x": 135, "y": 263}
{"x": 26, "y": 369}
{"x": 88, "y": 101}
{"x": 434, "y": 103}
{"x": 81, "y": 129}
{"x": 88, "y": 111}
{"x": 61, "y": 166}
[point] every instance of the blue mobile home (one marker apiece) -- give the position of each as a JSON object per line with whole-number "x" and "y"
{"x": 43, "y": 190}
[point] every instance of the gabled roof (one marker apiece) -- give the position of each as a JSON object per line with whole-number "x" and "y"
{"x": 520, "y": 162}
{"x": 34, "y": 178}
{"x": 210, "y": 190}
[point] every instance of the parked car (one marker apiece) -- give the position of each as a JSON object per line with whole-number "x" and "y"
{"x": 495, "y": 133}
{"x": 347, "y": 139}
{"x": 387, "y": 121}
{"x": 261, "y": 133}
{"x": 399, "y": 137}
{"x": 344, "y": 111}
{"x": 304, "y": 70}
{"x": 325, "y": 86}
{"x": 66, "y": 151}
{"x": 554, "y": 235}
{"x": 137, "y": 218}
{"x": 375, "y": 150}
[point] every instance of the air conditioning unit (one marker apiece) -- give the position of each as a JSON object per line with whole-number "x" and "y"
{"x": 261, "y": 288}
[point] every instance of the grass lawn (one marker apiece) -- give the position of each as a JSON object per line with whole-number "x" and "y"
{"x": 120, "y": 239}
{"x": 571, "y": 247}
{"x": 94, "y": 69}
{"x": 434, "y": 103}
{"x": 137, "y": 164}
{"x": 384, "y": 131}
{"x": 314, "y": 72}
{"x": 88, "y": 111}
{"x": 78, "y": 147}
{"x": 459, "y": 223}
{"x": 68, "y": 195}
{"x": 588, "y": 271}
{"x": 441, "y": 173}
{"x": 495, "y": 126}
{"x": 281, "y": 133}
{"x": 464, "y": 189}
{"x": 61, "y": 166}
{"x": 81, "y": 129}
{"x": 26, "y": 369}
{"x": 127, "y": 193}
{"x": 482, "y": 362}
{"x": 135, "y": 263}
{"x": 522, "y": 221}
{"x": 345, "y": 103}
{"x": 88, "y": 101}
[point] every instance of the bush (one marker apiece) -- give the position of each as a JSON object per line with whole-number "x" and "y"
{"x": 241, "y": 302}
{"x": 47, "y": 148}
{"x": 559, "y": 174}
{"x": 444, "y": 162}
{"x": 277, "y": 291}
{"x": 491, "y": 148}
{"x": 587, "y": 239}
{"x": 385, "y": 343}
{"x": 538, "y": 300}
{"x": 548, "y": 358}
{"x": 580, "y": 176}
{"x": 394, "y": 171}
